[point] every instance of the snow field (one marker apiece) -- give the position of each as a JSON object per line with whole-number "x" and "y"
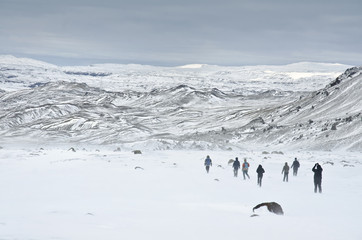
{"x": 59, "y": 194}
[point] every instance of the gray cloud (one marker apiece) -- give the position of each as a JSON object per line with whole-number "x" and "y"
{"x": 179, "y": 32}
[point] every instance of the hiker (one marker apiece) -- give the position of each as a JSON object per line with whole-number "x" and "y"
{"x": 245, "y": 168}
{"x": 286, "y": 172}
{"x": 236, "y": 166}
{"x": 208, "y": 163}
{"x": 295, "y": 166}
{"x": 317, "y": 169}
{"x": 260, "y": 171}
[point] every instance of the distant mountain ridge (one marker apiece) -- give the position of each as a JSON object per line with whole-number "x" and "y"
{"x": 20, "y": 73}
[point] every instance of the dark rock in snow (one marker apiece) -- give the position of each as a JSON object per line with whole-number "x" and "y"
{"x": 137, "y": 151}
{"x": 71, "y": 149}
{"x": 278, "y": 152}
{"x": 331, "y": 163}
{"x": 272, "y": 207}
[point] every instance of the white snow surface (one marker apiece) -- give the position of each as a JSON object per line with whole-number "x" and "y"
{"x": 90, "y": 194}
{"x": 176, "y": 116}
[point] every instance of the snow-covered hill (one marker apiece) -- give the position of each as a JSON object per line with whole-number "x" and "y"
{"x": 203, "y": 107}
{"x": 330, "y": 118}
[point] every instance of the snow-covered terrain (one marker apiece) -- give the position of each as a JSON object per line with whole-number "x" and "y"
{"x": 105, "y": 194}
{"x": 190, "y": 107}
{"x": 67, "y": 170}
{"x": 20, "y": 73}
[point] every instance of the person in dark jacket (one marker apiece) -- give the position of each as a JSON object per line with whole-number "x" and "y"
{"x": 236, "y": 167}
{"x": 295, "y": 166}
{"x": 208, "y": 163}
{"x": 260, "y": 171}
{"x": 286, "y": 172}
{"x": 317, "y": 169}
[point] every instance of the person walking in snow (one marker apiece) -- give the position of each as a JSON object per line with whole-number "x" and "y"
{"x": 208, "y": 163}
{"x": 245, "y": 168}
{"x": 317, "y": 169}
{"x": 295, "y": 166}
{"x": 286, "y": 172}
{"x": 236, "y": 166}
{"x": 260, "y": 171}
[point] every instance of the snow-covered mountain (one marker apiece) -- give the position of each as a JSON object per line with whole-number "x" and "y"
{"x": 330, "y": 118}
{"x": 193, "y": 106}
{"x": 22, "y": 73}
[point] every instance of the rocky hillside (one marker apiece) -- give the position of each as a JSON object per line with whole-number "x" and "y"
{"x": 330, "y": 118}
{"x": 177, "y": 116}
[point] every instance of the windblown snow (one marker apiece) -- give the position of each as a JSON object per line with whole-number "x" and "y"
{"x": 68, "y": 138}
{"x": 104, "y": 194}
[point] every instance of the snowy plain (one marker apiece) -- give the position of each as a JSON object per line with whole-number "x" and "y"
{"x": 104, "y": 191}
{"x": 103, "y": 194}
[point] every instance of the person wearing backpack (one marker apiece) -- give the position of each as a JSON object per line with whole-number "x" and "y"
{"x": 286, "y": 172}
{"x": 295, "y": 166}
{"x": 245, "y": 168}
{"x": 260, "y": 171}
{"x": 236, "y": 166}
{"x": 208, "y": 163}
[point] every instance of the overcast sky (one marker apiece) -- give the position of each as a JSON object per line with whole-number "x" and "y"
{"x": 176, "y": 32}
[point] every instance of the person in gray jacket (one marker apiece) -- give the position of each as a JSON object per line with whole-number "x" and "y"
{"x": 286, "y": 172}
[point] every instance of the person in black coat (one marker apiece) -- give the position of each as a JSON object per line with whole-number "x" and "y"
{"x": 260, "y": 171}
{"x": 236, "y": 167}
{"x": 295, "y": 167}
{"x": 317, "y": 169}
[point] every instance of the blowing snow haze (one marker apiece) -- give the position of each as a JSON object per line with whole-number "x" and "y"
{"x": 172, "y": 33}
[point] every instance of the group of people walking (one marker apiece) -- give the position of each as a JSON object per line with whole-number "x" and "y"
{"x": 244, "y": 168}
{"x": 317, "y": 169}
{"x": 285, "y": 170}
